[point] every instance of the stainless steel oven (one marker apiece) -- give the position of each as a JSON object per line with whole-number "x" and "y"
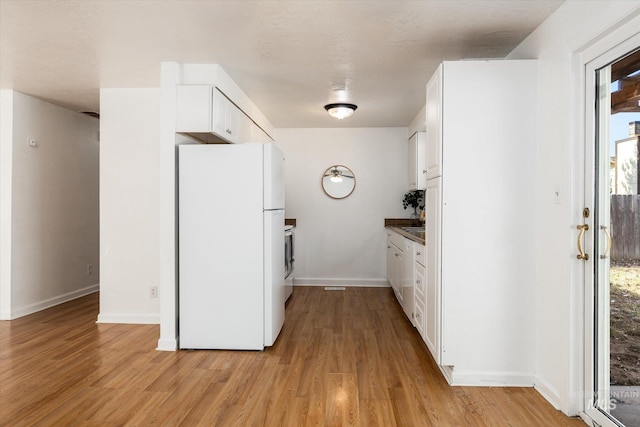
{"x": 289, "y": 241}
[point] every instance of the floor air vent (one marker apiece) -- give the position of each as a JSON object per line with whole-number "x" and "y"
{"x": 334, "y": 288}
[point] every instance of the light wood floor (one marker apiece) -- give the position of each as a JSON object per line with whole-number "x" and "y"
{"x": 343, "y": 358}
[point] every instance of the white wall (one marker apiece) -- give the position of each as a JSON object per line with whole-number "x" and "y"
{"x": 50, "y": 202}
{"x": 343, "y": 241}
{"x": 6, "y": 156}
{"x": 557, "y": 44}
{"x": 129, "y": 205}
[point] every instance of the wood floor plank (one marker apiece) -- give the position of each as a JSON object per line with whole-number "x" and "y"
{"x": 343, "y": 358}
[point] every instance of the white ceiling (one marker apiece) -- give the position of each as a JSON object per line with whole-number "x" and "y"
{"x": 285, "y": 55}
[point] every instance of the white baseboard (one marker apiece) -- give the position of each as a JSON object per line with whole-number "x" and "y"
{"x": 363, "y": 283}
{"x": 447, "y": 371}
{"x": 48, "y": 303}
{"x": 491, "y": 379}
{"x": 131, "y": 319}
{"x": 548, "y": 392}
{"x": 165, "y": 344}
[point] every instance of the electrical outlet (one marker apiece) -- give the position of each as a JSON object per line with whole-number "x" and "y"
{"x": 154, "y": 292}
{"x": 89, "y": 269}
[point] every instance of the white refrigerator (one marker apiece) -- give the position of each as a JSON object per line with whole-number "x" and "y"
{"x": 231, "y": 245}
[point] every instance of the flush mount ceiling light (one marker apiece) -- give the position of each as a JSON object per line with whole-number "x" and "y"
{"x": 335, "y": 175}
{"x": 340, "y": 110}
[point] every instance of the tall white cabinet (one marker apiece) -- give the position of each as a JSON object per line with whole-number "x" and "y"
{"x": 480, "y": 198}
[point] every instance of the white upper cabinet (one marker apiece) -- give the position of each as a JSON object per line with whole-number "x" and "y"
{"x": 193, "y": 108}
{"x": 208, "y": 115}
{"x": 434, "y": 124}
{"x": 244, "y": 129}
{"x": 226, "y": 117}
{"x": 417, "y": 161}
{"x": 258, "y": 135}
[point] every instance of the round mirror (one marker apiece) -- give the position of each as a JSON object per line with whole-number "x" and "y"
{"x": 338, "y": 181}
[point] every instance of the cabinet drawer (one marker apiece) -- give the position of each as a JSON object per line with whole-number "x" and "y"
{"x": 419, "y": 283}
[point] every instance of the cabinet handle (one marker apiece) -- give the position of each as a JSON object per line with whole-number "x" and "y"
{"x": 396, "y": 254}
{"x": 417, "y": 253}
{"x": 388, "y": 247}
{"x": 581, "y": 254}
{"x": 424, "y": 171}
{"x": 229, "y": 131}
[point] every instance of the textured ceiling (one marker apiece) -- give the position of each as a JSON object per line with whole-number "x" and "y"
{"x": 285, "y": 55}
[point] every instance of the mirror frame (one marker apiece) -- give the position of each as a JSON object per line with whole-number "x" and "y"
{"x": 327, "y": 191}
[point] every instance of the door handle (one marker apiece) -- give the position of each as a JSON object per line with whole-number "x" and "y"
{"x": 609, "y": 242}
{"x": 581, "y": 254}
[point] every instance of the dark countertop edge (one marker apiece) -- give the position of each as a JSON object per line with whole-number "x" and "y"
{"x": 395, "y": 224}
{"x": 402, "y": 222}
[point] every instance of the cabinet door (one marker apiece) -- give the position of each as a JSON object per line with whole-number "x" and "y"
{"x": 433, "y": 198}
{"x": 391, "y": 262}
{"x": 225, "y": 117}
{"x": 421, "y": 160}
{"x": 193, "y": 108}
{"x": 434, "y": 124}
{"x": 244, "y": 135}
{"x": 413, "y": 162}
{"x": 398, "y": 273}
{"x": 418, "y": 302}
{"x": 219, "y": 113}
{"x": 232, "y": 114}
{"x": 407, "y": 290}
{"x": 417, "y": 161}
{"x": 256, "y": 133}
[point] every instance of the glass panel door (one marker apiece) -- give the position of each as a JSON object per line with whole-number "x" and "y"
{"x": 612, "y": 276}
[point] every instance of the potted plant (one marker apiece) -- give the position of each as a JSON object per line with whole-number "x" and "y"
{"x": 415, "y": 199}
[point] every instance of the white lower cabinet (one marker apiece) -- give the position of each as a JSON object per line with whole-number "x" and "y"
{"x": 395, "y": 257}
{"x": 406, "y": 279}
{"x": 432, "y": 277}
{"x": 400, "y": 270}
{"x": 419, "y": 307}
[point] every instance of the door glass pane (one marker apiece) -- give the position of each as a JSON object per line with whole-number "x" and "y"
{"x": 625, "y": 252}
{"x": 617, "y": 241}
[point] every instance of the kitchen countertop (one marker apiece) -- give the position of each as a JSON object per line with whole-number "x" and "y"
{"x": 397, "y": 225}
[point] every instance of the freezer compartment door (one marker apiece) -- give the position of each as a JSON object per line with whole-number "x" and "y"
{"x": 274, "y": 292}
{"x": 273, "y": 177}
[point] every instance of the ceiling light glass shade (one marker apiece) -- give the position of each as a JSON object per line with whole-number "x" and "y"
{"x": 335, "y": 175}
{"x": 340, "y": 110}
